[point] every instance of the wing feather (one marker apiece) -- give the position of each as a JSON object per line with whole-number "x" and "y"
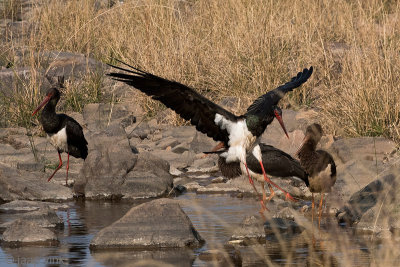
{"x": 185, "y": 101}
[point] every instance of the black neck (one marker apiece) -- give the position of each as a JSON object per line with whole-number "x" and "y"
{"x": 49, "y": 119}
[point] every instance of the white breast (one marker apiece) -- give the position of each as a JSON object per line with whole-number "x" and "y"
{"x": 59, "y": 140}
{"x": 240, "y": 138}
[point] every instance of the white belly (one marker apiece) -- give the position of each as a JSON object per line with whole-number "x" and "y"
{"x": 240, "y": 138}
{"x": 59, "y": 140}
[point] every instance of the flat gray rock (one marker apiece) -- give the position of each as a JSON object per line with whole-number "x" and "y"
{"x": 26, "y": 205}
{"x": 25, "y": 232}
{"x": 45, "y": 217}
{"x": 22, "y": 185}
{"x": 157, "y": 224}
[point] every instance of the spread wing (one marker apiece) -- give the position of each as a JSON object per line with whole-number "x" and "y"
{"x": 185, "y": 101}
{"x": 274, "y": 96}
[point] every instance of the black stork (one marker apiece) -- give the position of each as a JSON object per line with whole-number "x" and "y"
{"x": 275, "y": 161}
{"x": 63, "y": 132}
{"x": 238, "y": 133}
{"x": 319, "y": 165}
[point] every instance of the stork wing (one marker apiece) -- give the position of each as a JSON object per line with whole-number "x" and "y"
{"x": 273, "y": 96}
{"x": 186, "y": 102}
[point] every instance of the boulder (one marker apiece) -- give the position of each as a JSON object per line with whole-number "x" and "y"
{"x": 363, "y": 148}
{"x": 24, "y": 232}
{"x": 112, "y": 170}
{"x": 157, "y": 224}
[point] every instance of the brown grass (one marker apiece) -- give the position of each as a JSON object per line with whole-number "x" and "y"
{"x": 244, "y": 48}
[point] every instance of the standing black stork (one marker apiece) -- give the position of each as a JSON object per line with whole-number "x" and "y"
{"x": 319, "y": 165}
{"x": 64, "y": 133}
{"x": 238, "y": 133}
{"x": 275, "y": 161}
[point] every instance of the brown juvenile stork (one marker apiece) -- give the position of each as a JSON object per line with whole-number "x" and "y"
{"x": 276, "y": 163}
{"x": 239, "y": 134}
{"x": 319, "y": 165}
{"x": 63, "y": 132}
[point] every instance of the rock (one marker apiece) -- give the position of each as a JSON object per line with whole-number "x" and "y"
{"x": 22, "y": 232}
{"x": 363, "y": 148}
{"x": 219, "y": 180}
{"x": 157, "y": 224}
{"x": 250, "y": 230}
{"x": 201, "y": 143}
{"x": 46, "y": 218}
{"x": 143, "y": 258}
{"x": 384, "y": 189}
{"x": 167, "y": 142}
{"x": 181, "y": 148}
{"x": 100, "y": 116}
{"x": 352, "y": 177}
{"x": 69, "y": 64}
{"x": 193, "y": 186}
{"x": 182, "y": 133}
{"x": 142, "y": 131}
{"x": 22, "y": 185}
{"x": 13, "y": 78}
{"x": 113, "y": 171}
{"x": 31, "y": 166}
{"x": 281, "y": 229}
{"x": 216, "y": 257}
{"x": 25, "y": 205}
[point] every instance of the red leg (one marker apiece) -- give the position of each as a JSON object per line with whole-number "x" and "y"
{"x": 320, "y": 211}
{"x": 270, "y": 182}
{"x": 66, "y": 180}
{"x": 312, "y": 219}
{"x": 59, "y": 166}
{"x": 272, "y": 193}
{"x": 263, "y": 208}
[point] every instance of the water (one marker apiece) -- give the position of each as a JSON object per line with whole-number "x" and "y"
{"x": 214, "y": 216}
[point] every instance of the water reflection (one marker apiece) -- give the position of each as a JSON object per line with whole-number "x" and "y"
{"x": 215, "y": 217}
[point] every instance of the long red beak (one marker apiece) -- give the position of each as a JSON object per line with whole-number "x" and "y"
{"x": 279, "y": 118}
{"x": 44, "y": 102}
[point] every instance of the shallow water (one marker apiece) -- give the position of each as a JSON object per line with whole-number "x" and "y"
{"x": 214, "y": 216}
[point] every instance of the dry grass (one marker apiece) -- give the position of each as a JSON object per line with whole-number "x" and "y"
{"x": 244, "y": 48}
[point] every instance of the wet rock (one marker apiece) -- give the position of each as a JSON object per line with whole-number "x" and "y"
{"x": 250, "y": 230}
{"x": 278, "y": 228}
{"x": 143, "y": 258}
{"x": 45, "y": 217}
{"x": 216, "y": 257}
{"x": 24, "y": 232}
{"x": 157, "y": 224}
{"x": 363, "y": 148}
{"x": 25, "y": 205}
{"x": 22, "y": 185}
